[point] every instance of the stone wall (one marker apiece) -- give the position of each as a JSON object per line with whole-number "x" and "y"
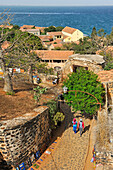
{"x": 110, "y": 92}
{"x": 23, "y": 135}
{"x": 104, "y": 158}
{"x": 91, "y": 62}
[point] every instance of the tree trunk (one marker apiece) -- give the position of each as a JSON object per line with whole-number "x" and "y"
{"x": 8, "y": 87}
{"x": 30, "y": 74}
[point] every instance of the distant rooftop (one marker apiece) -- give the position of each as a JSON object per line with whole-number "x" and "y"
{"x": 69, "y": 30}
{"x": 54, "y": 54}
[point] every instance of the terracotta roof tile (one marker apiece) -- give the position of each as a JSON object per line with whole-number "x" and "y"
{"x": 56, "y": 41}
{"x": 27, "y": 27}
{"x": 54, "y": 54}
{"x": 24, "y": 27}
{"x": 105, "y": 76}
{"x": 57, "y": 45}
{"x": 45, "y": 37}
{"x": 5, "y": 45}
{"x": 69, "y": 30}
{"x": 6, "y": 26}
{"x": 64, "y": 36}
{"x": 54, "y": 33}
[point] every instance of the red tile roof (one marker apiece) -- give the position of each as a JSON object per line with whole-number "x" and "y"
{"x": 45, "y": 37}
{"x": 54, "y": 54}
{"x": 24, "y": 27}
{"x": 57, "y": 45}
{"x": 41, "y": 28}
{"x": 6, "y": 26}
{"x": 65, "y": 36}
{"x": 27, "y": 27}
{"x": 5, "y": 45}
{"x": 56, "y": 41}
{"x": 105, "y": 75}
{"x": 69, "y": 30}
{"x": 54, "y": 33}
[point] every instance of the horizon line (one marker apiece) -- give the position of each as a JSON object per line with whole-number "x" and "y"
{"x": 58, "y": 5}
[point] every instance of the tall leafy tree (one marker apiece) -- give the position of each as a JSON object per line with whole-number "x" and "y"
{"x": 25, "y": 49}
{"x": 18, "y": 49}
{"x": 94, "y": 32}
{"x": 85, "y": 81}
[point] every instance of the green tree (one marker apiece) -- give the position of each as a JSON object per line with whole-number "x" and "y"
{"x": 20, "y": 46}
{"x": 86, "y": 81}
{"x": 16, "y": 27}
{"x": 24, "y": 48}
{"x": 52, "y": 106}
{"x": 59, "y": 28}
{"x": 94, "y": 32}
{"x": 37, "y": 92}
{"x": 50, "y": 29}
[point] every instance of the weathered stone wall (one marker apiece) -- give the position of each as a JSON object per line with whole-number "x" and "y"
{"x": 110, "y": 92}
{"x": 23, "y": 135}
{"x": 104, "y": 158}
{"x": 68, "y": 68}
{"x": 91, "y": 62}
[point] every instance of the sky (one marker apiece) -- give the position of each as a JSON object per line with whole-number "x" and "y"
{"x": 56, "y": 2}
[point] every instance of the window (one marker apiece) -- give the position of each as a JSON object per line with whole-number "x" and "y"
{"x": 57, "y": 61}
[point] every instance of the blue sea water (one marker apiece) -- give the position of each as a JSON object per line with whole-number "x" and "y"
{"x": 82, "y": 18}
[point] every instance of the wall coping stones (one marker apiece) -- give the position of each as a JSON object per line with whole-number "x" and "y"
{"x": 18, "y": 121}
{"x": 98, "y": 59}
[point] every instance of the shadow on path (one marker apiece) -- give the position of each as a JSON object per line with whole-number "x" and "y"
{"x": 86, "y": 129}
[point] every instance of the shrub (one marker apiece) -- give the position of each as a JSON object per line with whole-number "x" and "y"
{"x": 10, "y": 93}
{"x": 37, "y": 92}
{"x": 58, "y": 117}
{"x": 108, "y": 66}
{"x": 88, "y": 89}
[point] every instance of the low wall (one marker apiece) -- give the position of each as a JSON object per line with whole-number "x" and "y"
{"x": 104, "y": 158}
{"x": 21, "y": 136}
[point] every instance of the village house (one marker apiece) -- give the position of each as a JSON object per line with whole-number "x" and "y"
{"x": 32, "y": 31}
{"x": 71, "y": 34}
{"x": 5, "y": 45}
{"x": 55, "y": 59}
{"x": 25, "y": 27}
{"x": 6, "y": 26}
{"x": 55, "y": 46}
{"x": 40, "y": 28}
{"x": 56, "y": 35}
{"x": 46, "y": 40}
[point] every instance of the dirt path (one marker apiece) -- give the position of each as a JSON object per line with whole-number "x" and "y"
{"x": 71, "y": 151}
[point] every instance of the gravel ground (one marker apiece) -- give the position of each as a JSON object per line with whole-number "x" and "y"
{"x": 71, "y": 151}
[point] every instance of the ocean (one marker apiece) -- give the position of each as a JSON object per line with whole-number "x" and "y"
{"x": 83, "y": 18}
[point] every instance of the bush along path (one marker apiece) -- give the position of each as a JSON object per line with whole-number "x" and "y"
{"x": 71, "y": 151}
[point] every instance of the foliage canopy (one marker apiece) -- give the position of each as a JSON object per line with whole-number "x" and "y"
{"x": 86, "y": 81}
